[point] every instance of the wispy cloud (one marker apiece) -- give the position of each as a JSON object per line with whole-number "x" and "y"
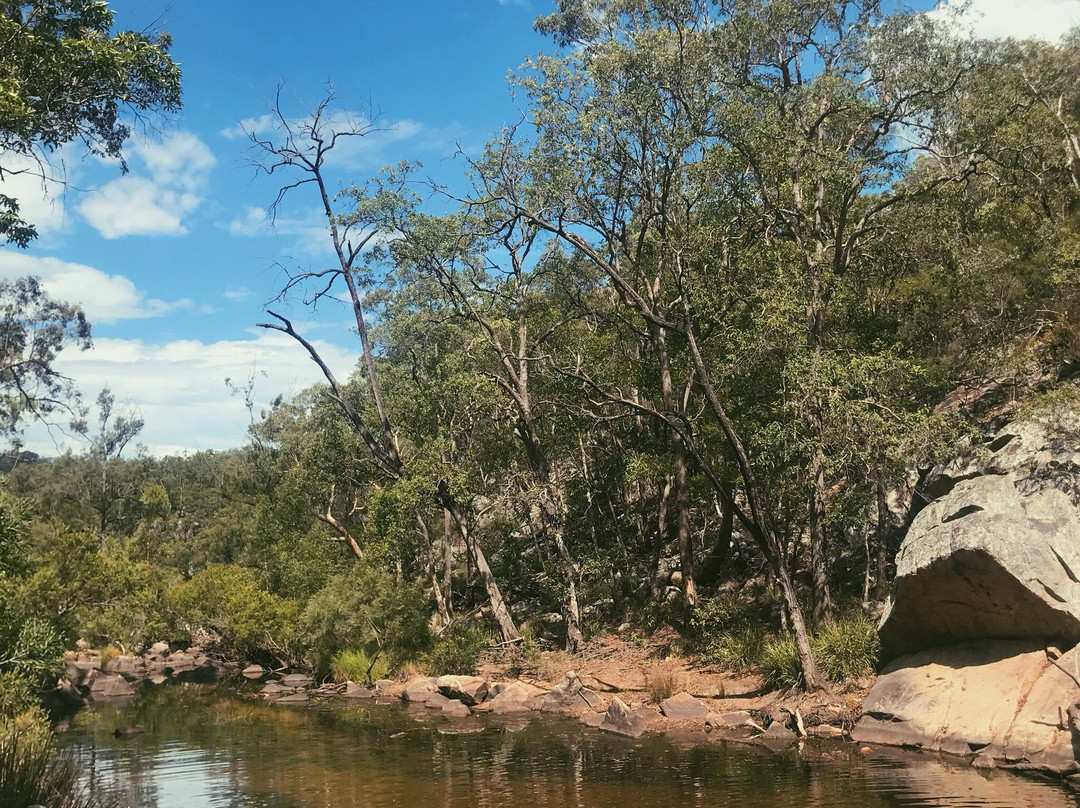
{"x": 156, "y": 202}
{"x": 105, "y": 298}
{"x": 179, "y": 387}
{"x": 1000, "y": 19}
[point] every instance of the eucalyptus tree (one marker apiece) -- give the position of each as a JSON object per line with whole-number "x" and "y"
{"x": 726, "y": 166}
{"x": 359, "y": 221}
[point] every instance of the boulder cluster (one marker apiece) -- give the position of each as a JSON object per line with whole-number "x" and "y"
{"x": 89, "y": 676}
{"x": 458, "y": 697}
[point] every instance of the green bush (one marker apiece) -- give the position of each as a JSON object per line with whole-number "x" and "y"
{"x": 228, "y": 601}
{"x": 847, "y": 649}
{"x": 32, "y": 772}
{"x": 17, "y": 695}
{"x": 457, "y": 652}
{"x": 780, "y": 662}
{"x": 366, "y": 608}
{"x": 741, "y": 648}
{"x": 355, "y": 665}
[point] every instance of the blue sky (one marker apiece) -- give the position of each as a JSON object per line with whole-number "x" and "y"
{"x": 175, "y": 261}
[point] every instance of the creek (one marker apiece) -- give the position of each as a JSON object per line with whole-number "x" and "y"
{"x": 203, "y": 745}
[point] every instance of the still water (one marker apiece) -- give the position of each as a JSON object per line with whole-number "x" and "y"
{"x": 204, "y": 746}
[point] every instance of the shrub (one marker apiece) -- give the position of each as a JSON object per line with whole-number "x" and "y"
{"x": 33, "y": 773}
{"x": 17, "y": 695}
{"x": 847, "y": 649}
{"x": 457, "y": 652}
{"x": 662, "y": 682}
{"x": 227, "y": 600}
{"x": 739, "y": 649}
{"x": 366, "y": 608}
{"x": 780, "y": 662}
{"x": 355, "y": 665}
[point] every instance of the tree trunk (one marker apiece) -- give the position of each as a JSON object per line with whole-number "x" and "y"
{"x": 819, "y": 561}
{"x": 686, "y": 538}
{"x": 499, "y": 610}
{"x": 881, "y": 589}
{"x": 448, "y": 561}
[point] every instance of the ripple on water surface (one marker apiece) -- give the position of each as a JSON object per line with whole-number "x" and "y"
{"x": 202, "y": 746}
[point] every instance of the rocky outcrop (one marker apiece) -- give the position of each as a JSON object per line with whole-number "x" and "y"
{"x": 1006, "y": 700}
{"x": 987, "y": 592}
{"x": 984, "y": 561}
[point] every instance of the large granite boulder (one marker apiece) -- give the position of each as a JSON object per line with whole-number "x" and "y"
{"x": 984, "y": 561}
{"x": 1007, "y": 700}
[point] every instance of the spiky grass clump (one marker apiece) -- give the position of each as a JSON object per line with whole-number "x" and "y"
{"x": 662, "y": 682}
{"x": 847, "y": 649}
{"x": 355, "y": 665}
{"x": 843, "y": 650}
{"x": 32, "y": 772}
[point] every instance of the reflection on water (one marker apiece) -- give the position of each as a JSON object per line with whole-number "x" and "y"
{"x": 205, "y": 747}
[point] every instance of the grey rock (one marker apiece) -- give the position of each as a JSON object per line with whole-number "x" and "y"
{"x": 516, "y": 697}
{"x": 570, "y": 696}
{"x": 683, "y": 707}
{"x": 296, "y": 680}
{"x": 253, "y": 671}
{"x": 436, "y": 701}
{"x": 984, "y": 561}
{"x": 621, "y": 720}
{"x": 298, "y": 697}
{"x": 420, "y": 689}
{"x": 468, "y": 689}
{"x": 354, "y": 691}
{"x": 736, "y": 718}
{"x": 107, "y": 686}
{"x": 455, "y": 708}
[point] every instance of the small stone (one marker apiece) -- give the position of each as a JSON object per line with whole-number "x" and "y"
{"x": 293, "y": 698}
{"x": 456, "y": 709}
{"x": 253, "y": 671}
{"x": 355, "y": 691}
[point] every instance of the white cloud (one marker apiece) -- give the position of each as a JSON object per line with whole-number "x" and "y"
{"x": 105, "y": 298}
{"x": 1021, "y": 19}
{"x": 156, "y": 205}
{"x": 309, "y": 232}
{"x": 238, "y": 295}
{"x": 39, "y": 190}
{"x": 179, "y": 387}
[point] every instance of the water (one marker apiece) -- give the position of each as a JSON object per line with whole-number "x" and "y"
{"x": 205, "y": 746}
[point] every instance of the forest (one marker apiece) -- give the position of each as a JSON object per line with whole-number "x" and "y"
{"x": 677, "y": 355}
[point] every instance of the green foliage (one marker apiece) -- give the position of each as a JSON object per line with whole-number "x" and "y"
{"x": 780, "y": 663}
{"x": 18, "y": 695}
{"x": 354, "y": 665}
{"x": 227, "y": 600}
{"x": 457, "y": 652}
{"x": 66, "y": 51}
{"x": 847, "y": 649}
{"x": 366, "y": 608}
{"x": 32, "y": 772}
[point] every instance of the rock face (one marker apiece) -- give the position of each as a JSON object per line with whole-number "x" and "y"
{"x": 1002, "y": 699}
{"x": 987, "y": 577}
{"x": 983, "y": 561}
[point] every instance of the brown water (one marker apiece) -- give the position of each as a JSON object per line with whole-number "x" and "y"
{"x": 202, "y": 746}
